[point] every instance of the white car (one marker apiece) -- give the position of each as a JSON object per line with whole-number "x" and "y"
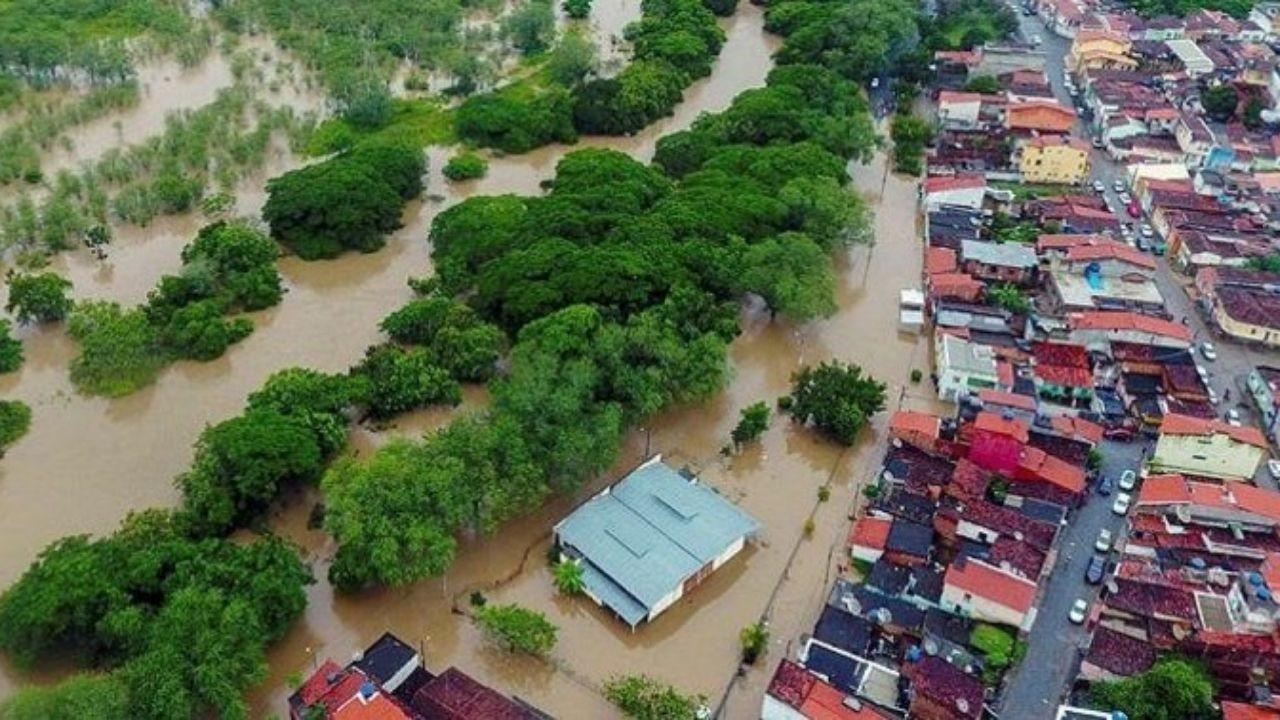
{"x": 1122, "y": 503}
{"x": 1103, "y": 543}
{"x": 1128, "y": 479}
{"x": 1213, "y": 396}
{"x": 1273, "y": 467}
{"x": 1079, "y": 611}
{"x": 1125, "y": 198}
{"x": 1204, "y": 374}
{"x": 1118, "y": 186}
{"x": 1209, "y": 352}
{"x": 1147, "y": 231}
{"x": 1233, "y": 417}
{"x": 1035, "y": 40}
{"x": 1098, "y": 187}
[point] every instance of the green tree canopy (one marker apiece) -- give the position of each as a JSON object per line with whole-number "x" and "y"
{"x": 38, "y": 298}
{"x": 516, "y": 628}
{"x": 15, "y": 420}
{"x": 644, "y": 698}
{"x": 1175, "y": 688}
{"x": 837, "y": 398}
{"x": 320, "y": 210}
{"x": 10, "y": 349}
{"x": 1220, "y": 102}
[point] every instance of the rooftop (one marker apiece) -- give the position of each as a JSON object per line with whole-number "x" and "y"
{"x": 947, "y": 685}
{"x": 644, "y": 536}
{"x": 1014, "y": 255}
{"x": 998, "y": 586}
{"x": 1107, "y": 320}
{"x": 1119, "y": 653}
{"x": 1184, "y": 425}
{"x": 454, "y": 695}
{"x": 1254, "y": 307}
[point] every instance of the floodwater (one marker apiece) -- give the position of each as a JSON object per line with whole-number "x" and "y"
{"x": 87, "y": 462}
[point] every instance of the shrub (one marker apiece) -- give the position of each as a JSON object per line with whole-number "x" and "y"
{"x": 15, "y": 420}
{"x": 643, "y": 698}
{"x": 38, "y": 298}
{"x": 118, "y": 349}
{"x": 916, "y": 376}
{"x": 517, "y": 629}
{"x": 10, "y": 349}
{"x": 755, "y": 640}
{"x": 568, "y": 577}
{"x": 753, "y": 423}
{"x": 465, "y": 166}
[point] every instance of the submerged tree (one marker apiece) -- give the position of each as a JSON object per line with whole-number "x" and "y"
{"x": 568, "y": 577}
{"x": 837, "y": 398}
{"x": 517, "y": 629}
{"x": 38, "y": 298}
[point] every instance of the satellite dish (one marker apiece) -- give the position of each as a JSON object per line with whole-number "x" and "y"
{"x": 930, "y": 646}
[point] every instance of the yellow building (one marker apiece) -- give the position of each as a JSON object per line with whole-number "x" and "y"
{"x": 1054, "y": 159}
{"x": 1100, "y": 50}
{"x": 1208, "y": 448}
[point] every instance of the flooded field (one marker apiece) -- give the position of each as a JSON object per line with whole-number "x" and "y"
{"x": 88, "y": 461}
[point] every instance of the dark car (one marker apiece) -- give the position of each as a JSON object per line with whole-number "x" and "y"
{"x": 1119, "y": 434}
{"x": 1097, "y": 568}
{"x": 1105, "y": 486}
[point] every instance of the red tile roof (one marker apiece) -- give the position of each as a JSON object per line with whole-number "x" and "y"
{"x": 318, "y": 684}
{"x": 1271, "y": 571}
{"x": 1108, "y": 320}
{"x": 815, "y": 699}
{"x": 946, "y": 685}
{"x": 1044, "y": 141}
{"x": 1041, "y": 465}
{"x": 968, "y": 481}
{"x": 993, "y": 422}
{"x": 1241, "y": 711}
{"x": 1174, "y": 424}
{"x": 951, "y": 96}
{"x": 1062, "y": 241}
{"x": 378, "y": 707}
{"x": 1111, "y": 251}
{"x": 1177, "y": 490}
{"x": 992, "y": 584}
{"x": 912, "y": 422}
{"x": 1020, "y": 556}
{"x": 1002, "y": 521}
{"x": 1250, "y": 306}
{"x": 956, "y": 284}
{"x": 1120, "y": 654}
{"x": 1077, "y": 428}
{"x": 870, "y": 532}
{"x": 454, "y": 695}
{"x": 955, "y": 182}
{"x": 1042, "y": 115}
{"x": 940, "y": 260}
{"x": 1153, "y": 599}
{"x": 1000, "y": 397}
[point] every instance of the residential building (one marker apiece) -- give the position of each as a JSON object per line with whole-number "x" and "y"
{"x": 1054, "y": 159}
{"x": 795, "y": 693}
{"x": 1267, "y": 16}
{"x": 1097, "y": 330}
{"x": 1264, "y": 386}
{"x": 1248, "y": 314}
{"x": 869, "y": 536}
{"x": 1099, "y": 50}
{"x": 1109, "y": 276}
{"x": 1208, "y": 448}
{"x": 963, "y": 367}
{"x": 651, "y": 538}
{"x": 968, "y": 110}
{"x": 984, "y": 592}
{"x": 958, "y": 191}
{"x": 1194, "y": 61}
{"x": 1209, "y": 504}
{"x": 1039, "y": 116}
{"x": 999, "y": 262}
{"x": 942, "y": 691}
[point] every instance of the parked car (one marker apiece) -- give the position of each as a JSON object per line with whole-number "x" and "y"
{"x": 1079, "y": 611}
{"x": 1126, "y": 198}
{"x": 1147, "y": 231}
{"x": 1273, "y": 467}
{"x": 1128, "y": 479}
{"x": 1098, "y": 187}
{"x": 1133, "y": 210}
{"x": 1097, "y": 143}
{"x": 1122, "y": 503}
{"x": 1096, "y": 569}
{"x": 1035, "y": 40}
{"x": 1105, "y": 486}
{"x": 1158, "y": 247}
{"x": 1103, "y": 543}
{"x": 1143, "y": 244}
{"x": 1118, "y": 186}
{"x": 1204, "y": 374}
{"x": 1233, "y": 417}
{"x": 1209, "y": 352}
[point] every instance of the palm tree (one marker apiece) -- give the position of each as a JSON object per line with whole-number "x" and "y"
{"x": 568, "y": 577}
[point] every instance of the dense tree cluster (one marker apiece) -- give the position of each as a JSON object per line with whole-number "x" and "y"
{"x": 348, "y": 202}
{"x": 675, "y": 42}
{"x": 910, "y": 134}
{"x": 620, "y": 288}
{"x": 179, "y": 623}
{"x": 965, "y": 24}
{"x": 837, "y": 398}
{"x": 1152, "y": 8}
{"x": 229, "y": 268}
{"x": 859, "y": 39}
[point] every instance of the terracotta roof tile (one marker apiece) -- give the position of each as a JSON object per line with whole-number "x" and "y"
{"x": 991, "y": 583}
{"x": 1120, "y": 654}
{"x": 1107, "y": 320}
{"x": 1174, "y": 424}
{"x": 870, "y": 532}
{"x": 946, "y": 685}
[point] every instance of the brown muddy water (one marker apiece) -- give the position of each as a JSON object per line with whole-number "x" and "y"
{"x": 88, "y": 461}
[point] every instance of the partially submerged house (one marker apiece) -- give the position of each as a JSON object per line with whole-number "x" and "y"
{"x": 650, "y": 538}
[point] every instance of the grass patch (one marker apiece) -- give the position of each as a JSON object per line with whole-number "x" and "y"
{"x": 999, "y": 646}
{"x": 423, "y": 121}
{"x": 1034, "y": 191}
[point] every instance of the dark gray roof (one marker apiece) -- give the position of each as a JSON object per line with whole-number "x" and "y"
{"x": 909, "y": 537}
{"x": 643, "y": 537}
{"x": 385, "y": 657}
{"x": 843, "y": 630}
{"x": 841, "y": 671}
{"x": 888, "y": 578}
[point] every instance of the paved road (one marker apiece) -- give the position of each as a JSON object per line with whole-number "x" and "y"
{"x": 1043, "y": 678}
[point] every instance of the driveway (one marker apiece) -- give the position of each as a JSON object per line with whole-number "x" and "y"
{"x": 1041, "y": 681}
